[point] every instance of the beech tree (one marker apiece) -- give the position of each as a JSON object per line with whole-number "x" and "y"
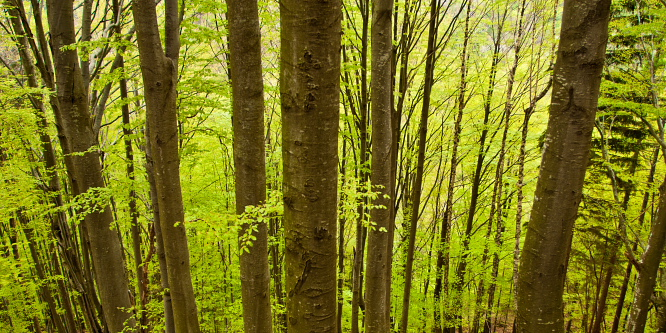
{"x": 249, "y": 160}
{"x": 82, "y": 159}
{"x": 177, "y": 114}
{"x": 377, "y": 298}
{"x": 309, "y": 88}
{"x": 576, "y": 81}
{"x": 159, "y": 68}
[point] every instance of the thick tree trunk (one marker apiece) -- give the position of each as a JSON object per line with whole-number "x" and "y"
{"x": 577, "y": 76}
{"x": 377, "y": 300}
{"x": 84, "y": 167}
{"x": 249, "y": 159}
{"x": 159, "y": 71}
{"x": 310, "y": 95}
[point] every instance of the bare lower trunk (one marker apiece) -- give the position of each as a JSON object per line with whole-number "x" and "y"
{"x": 377, "y": 299}
{"x": 159, "y": 71}
{"x": 85, "y": 169}
{"x": 310, "y": 88}
{"x": 249, "y": 160}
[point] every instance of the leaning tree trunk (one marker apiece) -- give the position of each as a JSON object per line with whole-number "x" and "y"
{"x": 84, "y": 167}
{"x": 577, "y": 76}
{"x": 159, "y": 71}
{"x": 649, "y": 267}
{"x": 310, "y": 96}
{"x": 249, "y": 159}
{"x": 377, "y": 300}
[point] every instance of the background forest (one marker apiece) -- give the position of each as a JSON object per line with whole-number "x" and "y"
{"x": 470, "y": 89}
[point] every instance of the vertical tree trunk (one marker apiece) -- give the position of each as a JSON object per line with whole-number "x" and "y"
{"x": 418, "y": 183}
{"x": 249, "y": 159}
{"x": 45, "y": 289}
{"x": 361, "y": 230}
{"x": 310, "y": 95}
{"x": 441, "y": 279}
{"x": 577, "y": 76}
{"x": 141, "y": 277}
{"x": 159, "y": 240}
{"x": 159, "y": 72}
{"x": 599, "y": 316}
{"x": 377, "y": 298}
{"x": 84, "y": 167}
{"x": 341, "y": 237}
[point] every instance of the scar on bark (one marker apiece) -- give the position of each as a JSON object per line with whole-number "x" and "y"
{"x": 302, "y": 278}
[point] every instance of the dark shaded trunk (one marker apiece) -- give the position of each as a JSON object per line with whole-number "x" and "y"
{"x": 461, "y": 270}
{"x": 159, "y": 240}
{"x": 341, "y": 237}
{"x": 139, "y": 269}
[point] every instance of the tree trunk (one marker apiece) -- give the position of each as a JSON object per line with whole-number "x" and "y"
{"x": 418, "y": 183}
{"x": 361, "y": 230}
{"x": 159, "y": 240}
{"x": 577, "y": 76}
{"x": 441, "y": 279}
{"x": 84, "y": 167}
{"x": 341, "y": 237}
{"x": 310, "y": 96}
{"x": 141, "y": 277}
{"x": 630, "y": 265}
{"x": 650, "y": 261}
{"x": 249, "y": 160}
{"x": 159, "y": 71}
{"x": 377, "y": 300}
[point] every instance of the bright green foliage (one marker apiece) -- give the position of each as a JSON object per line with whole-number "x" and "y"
{"x": 632, "y": 88}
